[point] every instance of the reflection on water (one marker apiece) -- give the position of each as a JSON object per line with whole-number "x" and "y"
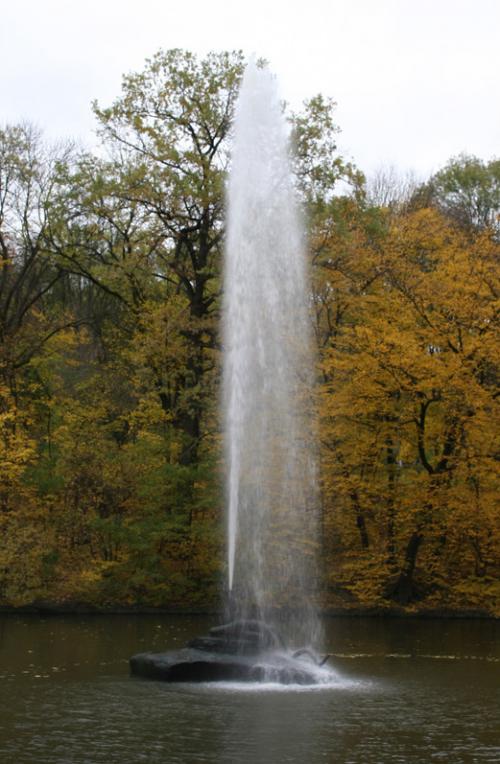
{"x": 404, "y": 691}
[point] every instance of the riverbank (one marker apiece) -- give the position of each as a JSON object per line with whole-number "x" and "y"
{"x": 70, "y": 608}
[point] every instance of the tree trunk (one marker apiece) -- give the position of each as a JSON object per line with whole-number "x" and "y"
{"x": 403, "y": 590}
{"x": 360, "y": 521}
{"x": 391, "y": 480}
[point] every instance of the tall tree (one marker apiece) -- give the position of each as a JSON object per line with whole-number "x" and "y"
{"x": 171, "y": 126}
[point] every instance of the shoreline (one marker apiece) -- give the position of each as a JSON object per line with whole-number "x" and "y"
{"x": 56, "y": 609}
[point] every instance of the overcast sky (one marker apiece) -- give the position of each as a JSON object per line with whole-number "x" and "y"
{"x": 416, "y": 81}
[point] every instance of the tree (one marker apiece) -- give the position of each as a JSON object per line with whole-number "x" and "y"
{"x": 319, "y": 168}
{"x": 467, "y": 190}
{"x": 158, "y": 205}
{"x": 388, "y": 187}
{"x": 407, "y": 413}
{"x": 29, "y": 270}
{"x": 170, "y": 128}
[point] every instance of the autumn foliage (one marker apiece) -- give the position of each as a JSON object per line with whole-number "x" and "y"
{"x": 407, "y": 411}
{"x": 110, "y": 279}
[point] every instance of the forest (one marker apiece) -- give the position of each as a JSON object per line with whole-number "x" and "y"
{"x": 111, "y": 464}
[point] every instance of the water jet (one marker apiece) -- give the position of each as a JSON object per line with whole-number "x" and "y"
{"x": 268, "y": 370}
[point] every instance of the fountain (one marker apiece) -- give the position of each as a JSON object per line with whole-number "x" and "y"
{"x": 267, "y": 397}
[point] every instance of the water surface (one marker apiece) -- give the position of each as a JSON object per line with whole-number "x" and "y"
{"x": 406, "y": 691}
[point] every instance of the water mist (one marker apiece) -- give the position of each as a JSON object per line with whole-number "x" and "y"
{"x": 268, "y": 372}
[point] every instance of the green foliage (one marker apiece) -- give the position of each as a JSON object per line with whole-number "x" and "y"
{"x": 110, "y": 279}
{"x": 468, "y": 190}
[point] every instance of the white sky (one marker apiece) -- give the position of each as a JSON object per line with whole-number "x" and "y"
{"x": 416, "y": 81}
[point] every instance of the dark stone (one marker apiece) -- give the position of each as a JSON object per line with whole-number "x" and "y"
{"x": 245, "y": 651}
{"x": 192, "y": 665}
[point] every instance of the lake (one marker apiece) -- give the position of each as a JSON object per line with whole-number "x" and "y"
{"x": 406, "y": 690}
